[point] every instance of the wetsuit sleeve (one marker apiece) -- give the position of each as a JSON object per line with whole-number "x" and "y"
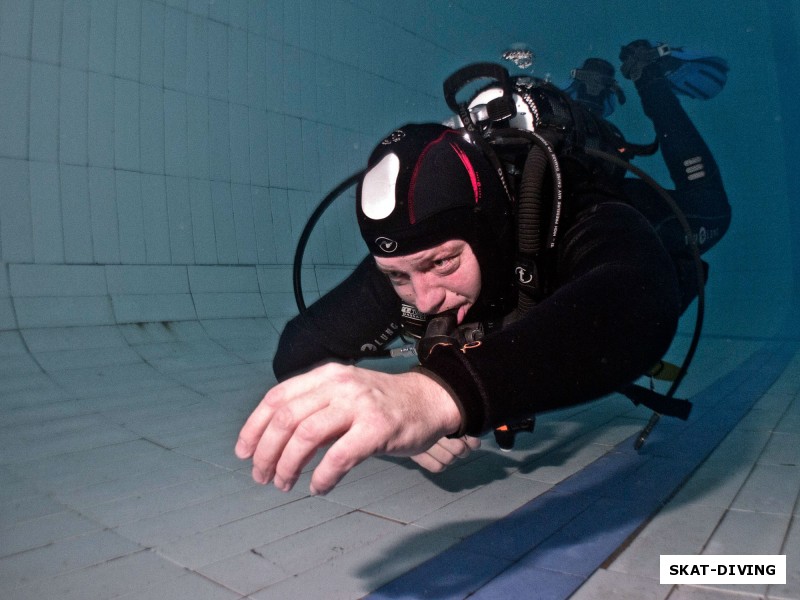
{"x": 613, "y": 315}
{"x": 356, "y": 318}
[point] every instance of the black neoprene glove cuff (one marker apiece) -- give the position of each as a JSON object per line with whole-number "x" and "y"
{"x": 450, "y": 367}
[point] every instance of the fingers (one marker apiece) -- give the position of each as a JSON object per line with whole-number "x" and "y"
{"x": 445, "y": 452}
{"x": 257, "y": 422}
{"x": 427, "y": 462}
{"x": 251, "y": 431}
{"x": 363, "y": 412}
{"x": 281, "y": 427}
{"x": 458, "y": 447}
{"x": 348, "y": 452}
{"x": 255, "y": 426}
{"x": 472, "y": 442}
{"x": 284, "y": 432}
{"x": 313, "y": 432}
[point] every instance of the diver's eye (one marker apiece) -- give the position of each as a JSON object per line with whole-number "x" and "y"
{"x": 396, "y": 277}
{"x": 445, "y": 266}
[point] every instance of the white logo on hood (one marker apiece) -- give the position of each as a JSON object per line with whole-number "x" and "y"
{"x": 386, "y": 245}
{"x": 378, "y": 188}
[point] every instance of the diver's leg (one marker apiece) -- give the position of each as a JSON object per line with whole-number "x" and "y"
{"x": 685, "y": 153}
{"x": 699, "y": 190}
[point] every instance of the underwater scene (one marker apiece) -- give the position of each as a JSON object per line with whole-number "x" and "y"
{"x": 183, "y": 181}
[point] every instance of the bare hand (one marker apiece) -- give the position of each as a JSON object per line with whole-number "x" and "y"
{"x": 445, "y": 452}
{"x": 362, "y": 412}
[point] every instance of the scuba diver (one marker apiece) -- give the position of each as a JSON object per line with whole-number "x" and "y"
{"x": 534, "y": 273}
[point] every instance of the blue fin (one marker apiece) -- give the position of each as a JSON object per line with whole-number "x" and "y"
{"x": 695, "y": 74}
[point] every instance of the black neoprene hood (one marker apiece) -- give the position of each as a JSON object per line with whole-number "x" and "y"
{"x": 425, "y": 184}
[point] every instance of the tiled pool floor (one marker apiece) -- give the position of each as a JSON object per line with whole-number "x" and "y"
{"x": 118, "y": 480}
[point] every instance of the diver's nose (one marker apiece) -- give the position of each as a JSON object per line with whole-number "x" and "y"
{"x": 428, "y": 296}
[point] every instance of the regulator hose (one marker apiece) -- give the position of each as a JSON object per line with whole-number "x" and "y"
{"x": 530, "y": 213}
{"x": 530, "y": 216}
{"x": 297, "y": 267}
{"x": 555, "y": 169}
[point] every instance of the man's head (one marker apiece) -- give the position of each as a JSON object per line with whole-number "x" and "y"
{"x": 425, "y": 187}
{"x": 593, "y": 85}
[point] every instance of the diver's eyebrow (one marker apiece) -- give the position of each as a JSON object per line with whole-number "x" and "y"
{"x": 431, "y": 257}
{"x": 389, "y": 270}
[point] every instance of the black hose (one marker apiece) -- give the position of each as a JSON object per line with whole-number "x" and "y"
{"x": 530, "y": 211}
{"x": 531, "y": 243}
{"x": 631, "y": 149}
{"x": 555, "y": 170}
{"x": 530, "y": 216}
{"x": 297, "y": 268}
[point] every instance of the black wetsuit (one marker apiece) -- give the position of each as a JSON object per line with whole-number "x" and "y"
{"x": 618, "y": 290}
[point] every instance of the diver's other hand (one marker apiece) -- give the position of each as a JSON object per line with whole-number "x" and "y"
{"x": 445, "y": 452}
{"x": 360, "y": 412}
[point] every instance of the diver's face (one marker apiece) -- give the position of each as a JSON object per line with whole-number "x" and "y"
{"x": 441, "y": 278}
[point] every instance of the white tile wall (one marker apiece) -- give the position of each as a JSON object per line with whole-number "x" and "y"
{"x": 72, "y": 114}
{"x": 152, "y": 43}
{"x": 44, "y": 112}
{"x": 179, "y": 216}
{"x": 175, "y": 124}
{"x": 151, "y": 111}
{"x": 13, "y": 127}
{"x": 100, "y": 121}
{"x": 7, "y": 319}
{"x": 205, "y": 251}
{"x": 130, "y": 217}
{"x": 46, "y": 210}
{"x": 63, "y": 311}
{"x": 15, "y": 28}
{"x": 224, "y": 230}
{"x": 103, "y": 206}
{"x": 56, "y": 280}
{"x": 16, "y": 228}
{"x": 76, "y": 219}
{"x": 153, "y": 307}
{"x": 5, "y": 288}
{"x": 197, "y": 116}
{"x": 102, "y": 23}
